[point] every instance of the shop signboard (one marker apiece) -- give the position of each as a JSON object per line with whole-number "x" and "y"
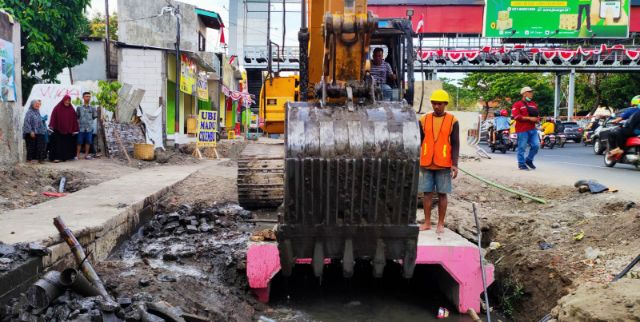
{"x": 187, "y": 75}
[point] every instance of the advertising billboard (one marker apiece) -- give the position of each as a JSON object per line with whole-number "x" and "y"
{"x": 556, "y": 18}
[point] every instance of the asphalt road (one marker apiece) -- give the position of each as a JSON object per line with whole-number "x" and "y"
{"x": 576, "y": 161}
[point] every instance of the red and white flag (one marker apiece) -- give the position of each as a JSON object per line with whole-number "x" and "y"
{"x": 231, "y": 59}
{"x": 420, "y": 25}
{"x": 222, "y": 40}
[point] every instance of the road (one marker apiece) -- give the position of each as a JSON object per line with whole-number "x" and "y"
{"x": 564, "y": 166}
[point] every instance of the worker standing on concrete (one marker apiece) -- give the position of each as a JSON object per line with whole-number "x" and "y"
{"x": 525, "y": 113}
{"x": 439, "y": 152}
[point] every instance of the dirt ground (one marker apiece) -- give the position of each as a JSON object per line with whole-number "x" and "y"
{"x": 556, "y": 258}
{"x": 541, "y": 257}
{"x": 23, "y": 185}
{"x": 539, "y": 264}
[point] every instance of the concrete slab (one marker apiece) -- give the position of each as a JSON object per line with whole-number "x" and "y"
{"x": 457, "y": 256}
{"x": 92, "y": 207}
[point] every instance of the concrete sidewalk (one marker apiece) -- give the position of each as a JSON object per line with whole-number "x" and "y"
{"x": 91, "y": 208}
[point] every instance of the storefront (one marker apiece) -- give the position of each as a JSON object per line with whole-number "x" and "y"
{"x": 194, "y": 94}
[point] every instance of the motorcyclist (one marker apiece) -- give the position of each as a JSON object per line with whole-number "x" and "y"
{"x": 501, "y": 122}
{"x": 618, "y": 136}
{"x": 627, "y": 113}
{"x": 548, "y": 127}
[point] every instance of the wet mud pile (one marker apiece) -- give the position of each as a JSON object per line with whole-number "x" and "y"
{"x": 183, "y": 265}
{"x": 193, "y": 258}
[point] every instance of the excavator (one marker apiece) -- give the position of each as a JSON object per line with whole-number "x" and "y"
{"x": 347, "y": 175}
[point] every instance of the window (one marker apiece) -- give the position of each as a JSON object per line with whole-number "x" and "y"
{"x": 201, "y": 42}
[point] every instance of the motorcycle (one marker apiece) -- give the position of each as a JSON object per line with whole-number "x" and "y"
{"x": 548, "y": 140}
{"x": 502, "y": 142}
{"x": 631, "y": 154}
{"x": 561, "y": 139}
{"x": 514, "y": 141}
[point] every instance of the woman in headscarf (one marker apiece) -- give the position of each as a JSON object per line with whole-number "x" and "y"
{"x": 64, "y": 123}
{"x": 34, "y": 131}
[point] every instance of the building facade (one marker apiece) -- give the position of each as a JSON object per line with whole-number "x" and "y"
{"x": 147, "y": 34}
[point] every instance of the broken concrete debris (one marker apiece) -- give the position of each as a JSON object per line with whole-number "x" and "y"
{"x": 166, "y": 238}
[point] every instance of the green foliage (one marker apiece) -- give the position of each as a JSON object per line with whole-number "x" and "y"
{"x": 462, "y": 99}
{"x": 50, "y": 37}
{"x": 492, "y": 86}
{"x": 108, "y": 95}
{"x": 511, "y": 293}
{"x": 97, "y": 26}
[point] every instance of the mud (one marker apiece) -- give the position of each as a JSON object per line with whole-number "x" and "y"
{"x": 539, "y": 261}
{"x": 23, "y": 185}
{"x": 193, "y": 258}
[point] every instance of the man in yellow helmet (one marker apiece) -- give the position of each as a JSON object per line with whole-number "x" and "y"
{"x": 438, "y": 157}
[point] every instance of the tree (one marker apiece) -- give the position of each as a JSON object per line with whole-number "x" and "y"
{"x": 97, "y": 26}
{"x": 461, "y": 97}
{"x": 499, "y": 86}
{"x": 51, "y": 31}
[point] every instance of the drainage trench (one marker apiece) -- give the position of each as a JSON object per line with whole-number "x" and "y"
{"x": 194, "y": 258}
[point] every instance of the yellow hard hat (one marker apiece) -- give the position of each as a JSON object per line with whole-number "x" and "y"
{"x": 439, "y": 95}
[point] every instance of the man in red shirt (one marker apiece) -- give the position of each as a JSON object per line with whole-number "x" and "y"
{"x": 525, "y": 113}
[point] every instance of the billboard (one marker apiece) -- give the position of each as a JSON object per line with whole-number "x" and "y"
{"x": 556, "y": 18}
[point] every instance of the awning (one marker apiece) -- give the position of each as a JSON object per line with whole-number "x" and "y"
{"x": 209, "y": 18}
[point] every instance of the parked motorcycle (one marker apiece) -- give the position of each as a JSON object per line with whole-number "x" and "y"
{"x": 631, "y": 154}
{"x": 502, "y": 142}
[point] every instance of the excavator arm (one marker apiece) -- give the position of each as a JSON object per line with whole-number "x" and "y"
{"x": 351, "y": 161}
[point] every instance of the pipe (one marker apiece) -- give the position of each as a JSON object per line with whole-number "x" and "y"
{"x": 81, "y": 258}
{"x": 474, "y": 316}
{"x": 499, "y": 186}
{"x": 44, "y": 291}
{"x": 627, "y": 269}
{"x": 73, "y": 279}
{"x": 484, "y": 277}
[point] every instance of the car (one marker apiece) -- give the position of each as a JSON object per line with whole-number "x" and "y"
{"x": 601, "y": 135}
{"x": 572, "y": 131}
{"x": 590, "y": 129}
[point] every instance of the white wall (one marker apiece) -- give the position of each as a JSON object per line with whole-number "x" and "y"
{"x": 143, "y": 69}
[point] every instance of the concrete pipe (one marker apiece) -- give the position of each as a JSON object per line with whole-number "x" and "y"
{"x": 44, "y": 291}
{"x": 73, "y": 279}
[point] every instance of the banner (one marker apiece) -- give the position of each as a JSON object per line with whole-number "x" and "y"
{"x": 202, "y": 87}
{"x": 50, "y": 95}
{"x": 7, "y": 72}
{"x": 235, "y": 95}
{"x": 207, "y": 128}
{"x": 550, "y": 19}
{"x": 187, "y": 75}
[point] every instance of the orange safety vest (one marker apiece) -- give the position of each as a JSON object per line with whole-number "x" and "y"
{"x": 437, "y": 152}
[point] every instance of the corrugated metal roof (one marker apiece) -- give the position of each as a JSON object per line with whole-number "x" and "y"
{"x": 430, "y": 2}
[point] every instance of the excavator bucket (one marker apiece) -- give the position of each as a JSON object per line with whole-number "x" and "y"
{"x": 351, "y": 177}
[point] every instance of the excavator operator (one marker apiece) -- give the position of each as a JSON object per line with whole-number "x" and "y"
{"x": 381, "y": 72}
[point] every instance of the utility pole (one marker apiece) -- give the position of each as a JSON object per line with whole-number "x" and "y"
{"x": 176, "y": 11}
{"x": 107, "y": 42}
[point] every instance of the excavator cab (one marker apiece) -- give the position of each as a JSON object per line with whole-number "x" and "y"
{"x": 351, "y": 160}
{"x": 394, "y": 35}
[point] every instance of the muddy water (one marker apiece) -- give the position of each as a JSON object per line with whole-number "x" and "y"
{"x": 361, "y": 298}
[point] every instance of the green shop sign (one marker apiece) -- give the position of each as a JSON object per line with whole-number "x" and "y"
{"x": 557, "y": 18}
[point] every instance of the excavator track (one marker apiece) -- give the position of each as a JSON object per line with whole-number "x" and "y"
{"x": 261, "y": 175}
